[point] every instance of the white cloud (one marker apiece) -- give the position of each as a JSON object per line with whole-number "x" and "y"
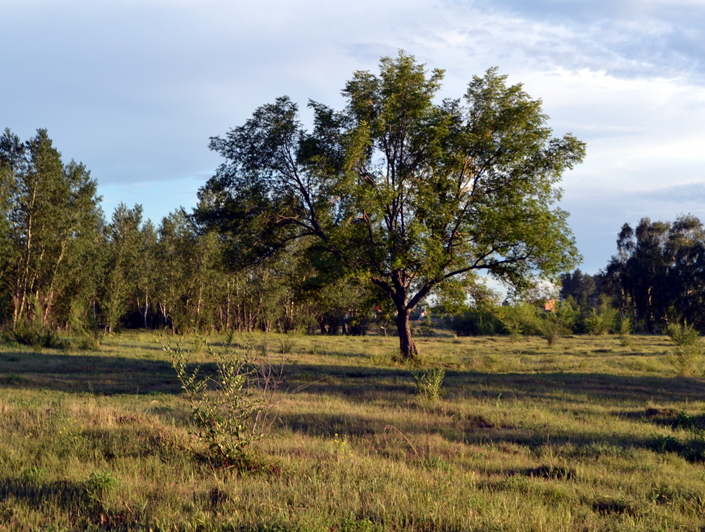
{"x": 135, "y": 88}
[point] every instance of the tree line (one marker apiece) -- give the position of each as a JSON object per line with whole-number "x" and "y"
{"x": 64, "y": 267}
{"x": 656, "y": 278}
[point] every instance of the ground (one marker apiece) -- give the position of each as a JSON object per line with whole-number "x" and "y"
{"x": 588, "y": 434}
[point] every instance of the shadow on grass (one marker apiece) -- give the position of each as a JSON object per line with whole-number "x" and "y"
{"x": 84, "y": 507}
{"x": 86, "y": 373}
{"x": 115, "y": 375}
{"x": 362, "y": 384}
{"x": 60, "y": 493}
{"x": 574, "y": 444}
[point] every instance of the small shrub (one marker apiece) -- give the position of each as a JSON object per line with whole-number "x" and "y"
{"x": 687, "y": 355}
{"x": 624, "y": 329}
{"x": 84, "y": 327}
{"x": 36, "y": 338}
{"x": 230, "y": 411}
{"x": 33, "y": 475}
{"x": 684, "y": 421}
{"x": 229, "y": 337}
{"x": 198, "y": 345}
{"x": 429, "y": 385}
{"x": 287, "y": 345}
{"x": 551, "y": 328}
{"x": 423, "y": 331}
{"x": 602, "y": 320}
{"x": 99, "y": 484}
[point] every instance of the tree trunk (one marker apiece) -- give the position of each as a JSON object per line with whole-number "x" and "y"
{"x": 146, "y": 309}
{"x": 407, "y": 347}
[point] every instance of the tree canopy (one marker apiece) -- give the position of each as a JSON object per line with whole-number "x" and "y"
{"x": 399, "y": 189}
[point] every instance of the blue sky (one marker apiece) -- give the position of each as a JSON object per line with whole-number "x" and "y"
{"x": 134, "y": 89}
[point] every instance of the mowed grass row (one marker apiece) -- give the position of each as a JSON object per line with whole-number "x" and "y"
{"x": 587, "y": 434}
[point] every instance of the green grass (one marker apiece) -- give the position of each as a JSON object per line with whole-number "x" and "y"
{"x": 583, "y": 435}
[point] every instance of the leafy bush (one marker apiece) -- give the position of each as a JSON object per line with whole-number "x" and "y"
{"x": 36, "y": 338}
{"x": 624, "y": 329}
{"x": 568, "y": 314}
{"x": 287, "y": 345}
{"x": 34, "y": 332}
{"x": 551, "y": 327}
{"x": 99, "y": 484}
{"x": 603, "y": 319}
{"x": 232, "y": 410}
{"x": 429, "y": 385}
{"x": 519, "y": 319}
{"x": 687, "y": 355}
{"x": 84, "y": 327}
{"x": 476, "y": 322}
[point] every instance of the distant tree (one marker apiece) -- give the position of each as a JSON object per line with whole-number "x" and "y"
{"x": 658, "y": 274}
{"x": 122, "y": 269}
{"x": 580, "y": 286}
{"x": 398, "y": 190}
{"x": 685, "y": 252}
{"x": 173, "y": 234}
{"x": 146, "y": 271}
{"x": 7, "y": 251}
{"x": 51, "y": 213}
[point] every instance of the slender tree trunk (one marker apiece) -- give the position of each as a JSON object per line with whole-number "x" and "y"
{"x": 227, "y": 306}
{"x": 407, "y": 347}
{"x": 146, "y": 309}
{"x": 50, "y": 296}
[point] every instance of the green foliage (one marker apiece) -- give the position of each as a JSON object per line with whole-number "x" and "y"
{"x": 84, "y": 326}
{"x": 522, "y": 318}
{"x": 624, "y": 330}
{"x": 603, "y": 318}
{"x": 429, "y": 384}
{"x": 54, "y": 221}
{"x": 551, "y": 327}
{"x": 34, "y": 475}
{"x": 658, "y": 273}
{"x": 687, "y": 355}
{"x": 231, "y": 411}
{"x": 580, "y": 287}
{"x": 99, "y": 484}
{"x": 684, "y": 420}
{"x": 519, "y": 318}
{"x": 569, "y": 315}
{"x": 398, "y": 190}
{"x": 286, "y": 345}
{"x": 122, "y": 263}
{"x": 33, "y": 331}
{"x": 476, "y": 322}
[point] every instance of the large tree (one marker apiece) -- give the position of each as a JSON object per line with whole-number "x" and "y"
{"x": 399, "y": 189}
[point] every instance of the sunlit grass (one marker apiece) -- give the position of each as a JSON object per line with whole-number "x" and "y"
{"x": 583, "y": 435}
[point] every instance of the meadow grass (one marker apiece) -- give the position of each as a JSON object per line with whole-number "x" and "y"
{"x": 586, "y": 434}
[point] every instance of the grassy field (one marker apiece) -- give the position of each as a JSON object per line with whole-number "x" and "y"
{"x": 584, "y": 435}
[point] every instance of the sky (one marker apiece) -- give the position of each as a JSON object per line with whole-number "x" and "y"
{"x": 134, "y": 89}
